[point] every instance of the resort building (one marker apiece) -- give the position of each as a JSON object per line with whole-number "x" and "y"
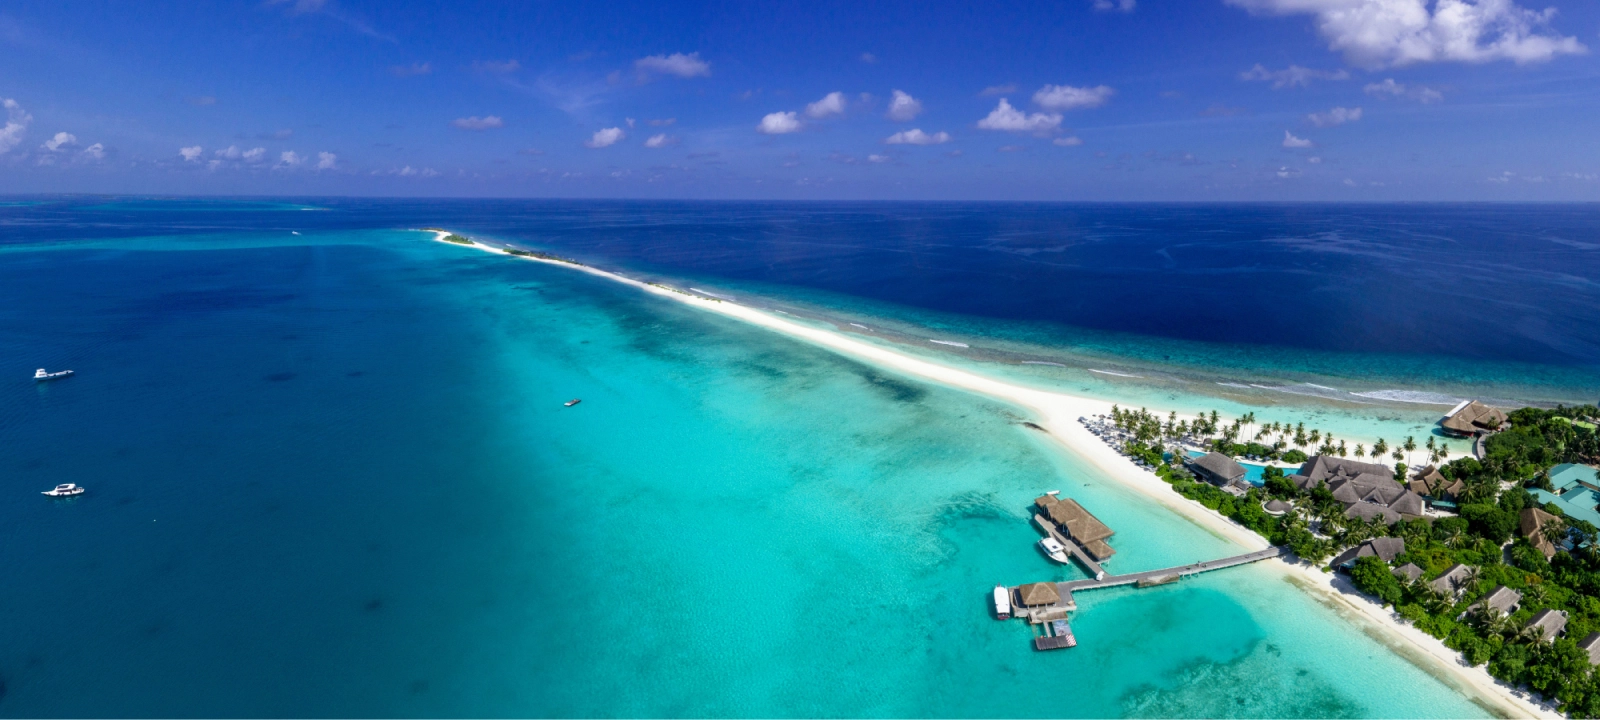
{"x": 1276, "y": 507}
{"x": 1591, "y": 645}
{"x": 1217, "y": 469}
{"x": 1454, "y": 581}
{"x": 1470, "y": 418}
{"x": 1549, "y": 624}
{"x": 1384, "y": 548}
{"x": 1531, "y": 523}
{"x": 1038, "y": 594}
{"x": 1408, "y": 573}
{"x": 1501, "y": 599}
{"x": 1368, "y": 491}
{"x": 1078, "y": 524}
{"x": 1577, "y": 492}
{"x": 1434, "y": 487}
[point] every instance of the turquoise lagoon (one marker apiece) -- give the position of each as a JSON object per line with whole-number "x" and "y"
{"x": 333, "y": 475}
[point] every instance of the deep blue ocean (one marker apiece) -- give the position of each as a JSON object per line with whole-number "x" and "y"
{"x": 330, "y": 473}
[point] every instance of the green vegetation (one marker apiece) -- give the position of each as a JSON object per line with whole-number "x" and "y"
{"x": 454, "y": 238}
{"x": 541, "y": 256}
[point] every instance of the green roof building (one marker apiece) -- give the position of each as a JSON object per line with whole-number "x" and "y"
{"x": 1577, "y": 492}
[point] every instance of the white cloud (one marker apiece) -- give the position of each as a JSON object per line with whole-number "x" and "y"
{"x": 915, "y": 136}
{"x": 1314, "y": 160}
{"x": 61, "y": 140}
{"x": 1073, "y": 141}
{"x": 1066, "y": 97}
{"x": 660, "y": 141}
{"x": 255, "y": 154}
{"x": 191, "y": 154}
{"x": 1336, "y": 116}
{"x": 1290, "y": 141}
{"x": 679, "y": 64}
{"x": 1288, "y": 172}
{"x": 430, "y": 172}
{"x": 478, "y": 123}
{"x": 229, "y": 153}
{"x": 605, "y": 138}
{"x": 903, "y": 107}
{"x": 779, "y": 123}
{"x": 1123, "y": 5}
{"x": 327, "y": 161}
{"x": 1391, "y": 89}
{"x": 878, "y": 158}
{"x": 830, "y": 104}
{"x": 17, "y": 121}
{"x": 1349, "y": 182}
{"x": 1007, "y": 118}
{"x": 94, "y": 152}
{"x": 406, "y": 171}
{"x": 1381, "y": 33}
{"x": 289, "y": 158}
{"x": 1292, "y": 76}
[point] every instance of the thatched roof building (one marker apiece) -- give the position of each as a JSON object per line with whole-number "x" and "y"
{"x": 1385, "y": 548}
{"x": 1531, "y": 523}
{"x": 1276, "y": 507}
{"x": 1591, "y": 645}
{"x": 1430, "y": 483}
{"x": 1036, "y": 594}
{"x": 1368, "y": 491}
{"x": 1454, "y": 581}
{"x": 1408, "y": 573}
{"x": 1501, "y": 598}
{"x": 1549, "y": 623}
{"x": 1470, "y": 418}
{"x": 1217, "y": 469}
{"x": 1075, "y": 521}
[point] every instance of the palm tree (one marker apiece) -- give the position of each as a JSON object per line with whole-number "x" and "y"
{"x": 1397, "y": 455}
{"x": 1555, "y": 531}
{"x": 1316, "y": 435}
{"x": 1342, "y": 451}
{"x": 1410, "y": 446}
{"x": 1444, "y": 451}
{"x": 1456, "y": 537}
{"x": 1379, "y": 448}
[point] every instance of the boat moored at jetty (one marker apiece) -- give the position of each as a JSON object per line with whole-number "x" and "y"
{"x": 64, "y": 490}
{"x": 1054, "y": 549}
{"x": 1002, "y": 603}
{"x": 41, "y": 374}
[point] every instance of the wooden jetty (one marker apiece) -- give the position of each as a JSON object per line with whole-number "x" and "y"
{"x": 1057, "y": 635}
{"x": 1067, "y": 588}
{"x": 1049, "y": 528}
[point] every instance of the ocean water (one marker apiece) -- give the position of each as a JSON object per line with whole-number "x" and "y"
{"x": 331, "y": 474}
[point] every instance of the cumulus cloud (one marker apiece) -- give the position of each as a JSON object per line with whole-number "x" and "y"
{"x": 605, "y": 138}
{"x": 17, "y": 121}
{"x": 1073, "y": 141}
{"x": 289, "y": 158}
{"x": 779, "y": 123}
{"x": 1007, "y": 118}
{"x": 192, "y": 153}
{"x": 1383, "y": 33}
{"x": 1288, "y": 172}
{"x": 1292, "y": 76}
{"x": 94, "y": 152}
{"x": 878, "y": 158}
{"x": 1066, "y": 97}
{"x": 327, "y": 161}
{"x": 903, "y": 107}
{"x": 916, "y": 136}
{"x": 61, "y": 140}
{"x": 230, "y": 152}
{"x": 1336, "y": 116}
{"x": 478, "y": 123}
{"x": 410, "y": 70}
{"x": 255, "y": 154}
{"x": 660, "y": 141}
{"x": 679, "y": 64}
{"x": 1290, "y": 141}
{"x": 830, "y": 104}
{"x": 1123, "y": 5}
{"x": 1391, "y": 89}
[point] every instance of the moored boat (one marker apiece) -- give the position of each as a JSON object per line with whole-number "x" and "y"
{"x": 1002, "y": 603}
{"x": 1054, "y": 549}
{"x": 572, "y": 402}
{"x": 42, "y": 374}
{"x": 64, "y": 490}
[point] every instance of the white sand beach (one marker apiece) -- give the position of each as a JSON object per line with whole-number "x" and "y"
{"x": 1058, "y": 414}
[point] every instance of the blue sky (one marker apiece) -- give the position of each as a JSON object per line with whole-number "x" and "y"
{"x": 1064, "y": 100}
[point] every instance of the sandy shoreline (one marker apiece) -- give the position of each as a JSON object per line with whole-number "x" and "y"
{"x": 1058, "y": 414}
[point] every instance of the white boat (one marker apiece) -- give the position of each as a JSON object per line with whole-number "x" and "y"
{"x": 42, "y": 374}
{"x": 1055, "y": 550}
{"x": 66, "y": 490}
{"x": 1002, "y": 603}
{"x": 572, "y": 402}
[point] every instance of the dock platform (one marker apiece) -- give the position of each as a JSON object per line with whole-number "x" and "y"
{"x": 1067, "y": 588}
{"x": 1078, "y": 553}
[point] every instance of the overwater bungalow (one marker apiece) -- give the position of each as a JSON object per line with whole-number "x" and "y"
{"x": 1037, "y": 594}
{"x": 1078, "y": 524}
{"x": 1471, "y": 418}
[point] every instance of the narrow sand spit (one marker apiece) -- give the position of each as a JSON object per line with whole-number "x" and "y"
{"x": 1058, "y": 414}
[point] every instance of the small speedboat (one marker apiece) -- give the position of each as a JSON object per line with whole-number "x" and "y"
{"x": 41, "y": 374}
{"x": 572, "y": 402}
{"x": 66, "y": 490}
{"x": 1002, "y": 603}
{"x": 1054, "y": 549}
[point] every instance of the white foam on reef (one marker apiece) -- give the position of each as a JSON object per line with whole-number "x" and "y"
{"x": 1108, "y": 372}
{"x": 711, "y": 294}
{"x": 863, "y": 327}
{"x": 1041, "y": 362}
{"x": 1234, "y": 384}
{"x": 1419, "y": 397}
{"x": 947, "y": 342}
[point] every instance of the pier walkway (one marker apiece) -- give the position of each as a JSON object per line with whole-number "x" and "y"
{"x": 1067, "y": 588}
{"x": 1049, "y": 528}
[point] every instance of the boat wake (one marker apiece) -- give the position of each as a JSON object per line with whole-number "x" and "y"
{"x": 948, "y": 342}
